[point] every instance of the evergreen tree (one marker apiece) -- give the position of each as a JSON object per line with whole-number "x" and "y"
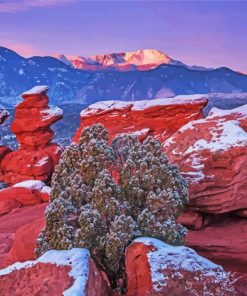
{"x": 104, "y": 196}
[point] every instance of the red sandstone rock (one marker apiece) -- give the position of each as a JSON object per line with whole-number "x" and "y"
{"x": 212, "y": 155}
{"x": 155, "y": 268}
{"x": 55, "y": 273}
{"x": 159, "y": 118}
{"x": 224, "y": 241}
{"x": 4, "y": 150}
{"x": 24, "y": 245}
{"x": 23, "y": 194}
{"x": 11, "y": 222}
{"x": 36, "y": 157}
{"x": 191, "y": 219}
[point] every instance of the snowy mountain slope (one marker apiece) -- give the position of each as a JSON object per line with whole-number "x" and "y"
{"x": 142, "y": 60}
{"x": 69, "y": 85}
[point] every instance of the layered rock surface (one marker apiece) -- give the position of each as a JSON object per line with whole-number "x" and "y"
{"x": 55, "y": 273}
{"x": 36, "y": 156}
{"x": 212, "y": 155}
{"x": 159, "y": 118}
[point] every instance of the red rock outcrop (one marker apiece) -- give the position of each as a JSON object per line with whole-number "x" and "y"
{"x": 24, "y": 244}
{"x": 37, "y": 156}
{"x": 26, "y": 193}
{"x": 55, "y": 273}
{"x": 4, "y": 150}
{"x": 13, "y": 221}
{"x": 159, "y": 118}
{"x": 155, "y": 268}
{"x": 223, "y": 239}
{"x": 212, "y": 155}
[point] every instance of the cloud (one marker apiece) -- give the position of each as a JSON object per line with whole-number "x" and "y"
{"x": 22, "y": 5}
{"x": 23, "y": 49}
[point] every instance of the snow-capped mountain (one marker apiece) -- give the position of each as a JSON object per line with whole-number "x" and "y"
{"x": 142, "y": 60}
{"x": 70, "y": 85}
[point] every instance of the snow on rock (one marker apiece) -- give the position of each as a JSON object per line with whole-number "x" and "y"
{"x": 36, "y": 90}
{"x": 37, "y": 156}
{"x": 36, "y": 185}
{"x": 212, "y": 156}
{"x": 65, "y": 272}
{"x": 159, "y": 118}
{"x": 155, "y": 268}
{"x": 23, "y": 194}
{"x": 52, "y": 112}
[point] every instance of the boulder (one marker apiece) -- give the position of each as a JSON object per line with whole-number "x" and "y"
{"x": 55, "y": 273}
{"x": 212, "y": 155}
{"x": 155, "y": 268}
{"x": 25, "y": 193}
{"x": 14, "y": 220}
{"x": 159, "y": 118}
{"x": 37, "y": 156}
{"x": 24, "y": 245}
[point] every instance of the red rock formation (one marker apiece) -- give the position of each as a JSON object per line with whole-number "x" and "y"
{"x": 23, "y": 194}
{"x": 212, "y": 154}
{"x": 191, "y": 219}
{"x": 4, "y": 150}
{"x": 159, "y": 118}
{"x": 11, "y": 222}
{"x": 55, "y": 273}
{"x": 24, "y": 244}
{"x": 155, "y": 268}
{"x": 36, "y": 157}
{"x": 223, "y": 240}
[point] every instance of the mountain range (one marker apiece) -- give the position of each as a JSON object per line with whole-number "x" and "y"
{"x": 145, "y": 74}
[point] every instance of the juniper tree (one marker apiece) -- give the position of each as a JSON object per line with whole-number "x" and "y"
{"x": 104, "y": 196}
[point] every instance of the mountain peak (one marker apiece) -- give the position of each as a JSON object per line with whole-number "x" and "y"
{"x": 142, "y": 59}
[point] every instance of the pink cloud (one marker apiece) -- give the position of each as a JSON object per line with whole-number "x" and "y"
{"x": 22, "y": 5}
{"x": 23, "y": 49}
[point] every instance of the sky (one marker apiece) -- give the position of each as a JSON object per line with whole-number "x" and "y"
{"x": 208, "y": 33}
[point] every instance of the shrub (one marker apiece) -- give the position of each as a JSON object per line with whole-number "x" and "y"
{"x": 104, "y": 196}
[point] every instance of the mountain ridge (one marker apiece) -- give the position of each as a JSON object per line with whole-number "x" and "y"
{"x": 69, "y": 85}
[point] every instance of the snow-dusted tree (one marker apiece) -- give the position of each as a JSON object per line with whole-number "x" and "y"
{"x": 104, "y": 196}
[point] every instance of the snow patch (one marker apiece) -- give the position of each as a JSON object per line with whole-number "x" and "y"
{"x": 36, "y": 90}
{"x": 76, "y": 258}
{"x": 104, "y": 106}
{"x": 31, "y": 184}
{"x": 52, "y": 112}
{"x": 225, "y": 135}
{"x": 177, "y": 259}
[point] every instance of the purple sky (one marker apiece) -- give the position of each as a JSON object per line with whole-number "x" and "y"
{"x": 208, "y": 33}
